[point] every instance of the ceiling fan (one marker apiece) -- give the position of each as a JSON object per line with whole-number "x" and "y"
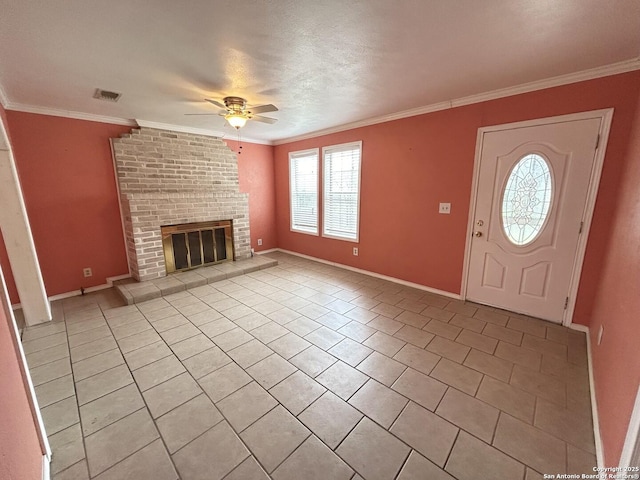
{"x": 236, "y": 112}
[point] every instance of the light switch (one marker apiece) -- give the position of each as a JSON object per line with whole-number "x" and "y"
{"x": 445, "y": 208}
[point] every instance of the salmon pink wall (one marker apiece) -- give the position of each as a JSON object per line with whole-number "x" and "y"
{"x": 411, "y": 165}
{"x": 20, "y": 451}
{"x": 616, "y": 306}
{"x": 256, "y": 175}
{"x": 66, "y": 174}
{"x": 406, "y": 171}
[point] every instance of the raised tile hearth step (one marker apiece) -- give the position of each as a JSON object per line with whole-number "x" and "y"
{"x": 137, "y": 292}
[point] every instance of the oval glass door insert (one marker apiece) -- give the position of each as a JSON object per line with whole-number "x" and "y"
{"x": 526, "y": 199}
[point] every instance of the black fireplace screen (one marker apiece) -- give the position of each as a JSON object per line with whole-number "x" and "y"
{"x": 193, "y": 245}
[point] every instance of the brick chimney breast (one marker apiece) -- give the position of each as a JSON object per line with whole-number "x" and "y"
{"x": 168, "y": 178}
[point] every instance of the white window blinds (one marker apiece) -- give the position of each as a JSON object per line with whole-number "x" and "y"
{"x": 303, "y": 182}
{"x": 341, "y": 194}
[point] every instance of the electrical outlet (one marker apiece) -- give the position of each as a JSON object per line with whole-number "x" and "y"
{"x": 355, "y": 251}
{"x": 259, "y": 242}
{"x": 87, "y": 272}
{"x": 600, "y": 332}
{"x": 445, "y": 208}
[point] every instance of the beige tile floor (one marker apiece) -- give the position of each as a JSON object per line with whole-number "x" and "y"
{"x": 306, "y": 371}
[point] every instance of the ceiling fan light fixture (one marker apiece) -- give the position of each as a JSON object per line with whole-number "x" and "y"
{"x": 236, "y": 121}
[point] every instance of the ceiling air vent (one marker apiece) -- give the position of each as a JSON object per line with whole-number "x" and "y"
{"x": 106, "y": 95}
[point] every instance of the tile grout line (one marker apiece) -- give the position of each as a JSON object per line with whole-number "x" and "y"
{"x": 291, "y": 413}
{"x": 349, "y": 432}
{"x": 388, "y": 357}
{"x": 507, "y": 454}
{"x": 146, "y": 407}
{"x": 225, "y": 419}
{"x": 74, "y": 394}
{"x": 127, "y": 456}
{"x": 455, "y": 440}
{"x": 251, "y": 454}
{"x": 402, "y": 410}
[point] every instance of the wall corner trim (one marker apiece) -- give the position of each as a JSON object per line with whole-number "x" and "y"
{"x": 592, "y": 390}
{"x": 3, "y": 98}
{"x": 46, "y": 467}
{"x": 30, "y": 390}
{"x": 633, "y": 436}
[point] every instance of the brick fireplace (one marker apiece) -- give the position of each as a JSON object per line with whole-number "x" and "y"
{"x": 169, "y": 178}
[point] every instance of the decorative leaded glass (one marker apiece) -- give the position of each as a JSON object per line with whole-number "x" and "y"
{"x": 526, "y": 199}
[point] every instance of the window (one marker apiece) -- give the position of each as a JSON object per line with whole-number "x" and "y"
{"x": 526, "y": 199}
{"x": 341, "y": 194}
{"x": 303, "y": 184}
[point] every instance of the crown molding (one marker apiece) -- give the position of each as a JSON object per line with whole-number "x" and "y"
{"x": 197, "y": 131}
{"x": 55, "y": 112}
{"x": 367, "y": 122}
{"x": 598, "y": 72}
{"x": 605, "y": 71}
{"x": 118, "y": 121}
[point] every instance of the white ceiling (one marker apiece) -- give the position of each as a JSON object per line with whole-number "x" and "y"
{"x": 323, "y": 63}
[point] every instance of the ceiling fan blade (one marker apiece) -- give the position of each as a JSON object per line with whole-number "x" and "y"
{"x": 262, "y": 119}
{"x": 263, "y": 109}
{"x": 216, "y": 103}
{"x": 203, "y": 114}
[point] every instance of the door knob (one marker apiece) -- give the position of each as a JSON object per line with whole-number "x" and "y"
{"x": 477, "y": 234}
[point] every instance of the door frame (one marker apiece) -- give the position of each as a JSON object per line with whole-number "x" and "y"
{"x": 605, "y": 115}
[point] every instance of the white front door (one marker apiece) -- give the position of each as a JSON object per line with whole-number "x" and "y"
{"x": 532, "y": 186}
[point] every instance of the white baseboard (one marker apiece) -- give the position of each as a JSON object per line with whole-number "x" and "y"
{"x": 75, "y": 293}
{"x": 579, "y": 327}
{"x": 271, "y": 250}
{"x": 373, "y": 274}
{"x": 592, "y": 390}
{"x": 111, "y": 280}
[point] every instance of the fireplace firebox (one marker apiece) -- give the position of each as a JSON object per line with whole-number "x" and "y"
{"x": 192, "y": 245}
